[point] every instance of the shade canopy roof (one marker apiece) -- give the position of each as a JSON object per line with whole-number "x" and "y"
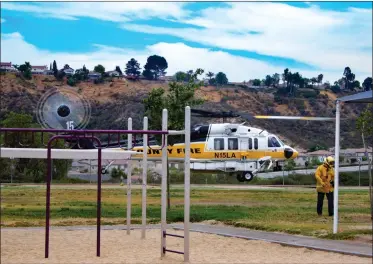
{"x": 363, "y": 97}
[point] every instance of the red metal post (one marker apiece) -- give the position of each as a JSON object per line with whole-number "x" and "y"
{"x": 99, "y": 199}
{"x": 49, "y": 174}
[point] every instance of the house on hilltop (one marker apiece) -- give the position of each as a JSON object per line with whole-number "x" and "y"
{"x": 113, "y": 73}
{"x": 68, "y": 70}
{"x": 39, "y": 69}
{"x": 93, "y": 75}
{"x": 7, "y": 67}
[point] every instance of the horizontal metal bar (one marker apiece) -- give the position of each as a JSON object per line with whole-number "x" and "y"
{"x": 176, "y": 132}
{"x": 35, "y": 153}
{"x": 166, "y": 234}
{"x": 98, "y": 131}
{"x": 157, "y": 158}
{"x": 173, "y": 251}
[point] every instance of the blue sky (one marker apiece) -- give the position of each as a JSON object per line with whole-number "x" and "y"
{"x": 244, "y": 40}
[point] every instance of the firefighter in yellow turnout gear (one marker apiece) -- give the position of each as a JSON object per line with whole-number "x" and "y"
{"x": 325, "y": 185}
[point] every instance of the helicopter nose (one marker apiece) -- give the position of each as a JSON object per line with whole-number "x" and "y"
{"x": 290, "y": 153}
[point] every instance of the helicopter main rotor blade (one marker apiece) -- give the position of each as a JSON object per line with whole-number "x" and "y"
{"x": 296, "y": 118}
{"x": 247, "y": 116}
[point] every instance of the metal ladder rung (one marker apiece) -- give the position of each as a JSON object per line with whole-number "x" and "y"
{"x": 166, "y": 234}
{"x": 173, "y": 251}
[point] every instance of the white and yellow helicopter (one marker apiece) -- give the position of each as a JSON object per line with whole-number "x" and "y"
{"x": 236, "y": 149}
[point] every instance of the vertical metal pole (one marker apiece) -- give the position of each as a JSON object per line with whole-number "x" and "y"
{"x": 359, "y": 172}
{"x": 164, "y": 183}
{"x": 187, "y": 184}
{"x": 336, "y": 172}
{"x": 48, "y": 198}
{"x": 99, "y": 201}
{"x": 144, "y": 176}
{"x": 129, "y": 176}
{"x": 12, "y": 169}
{"x": 51, "y": 170}
{"x": 283, "y": 177}
{"x": 90, "y": 171}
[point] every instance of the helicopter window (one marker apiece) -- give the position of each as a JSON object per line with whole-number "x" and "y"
{"x": 219, "y": 144}
{"x": 250, "y": 143}
{"x": 232, "y": 143}
{"x": 273, "y": 142}
{"x": 255, "y": 143}
{"x": 281, "y": 143}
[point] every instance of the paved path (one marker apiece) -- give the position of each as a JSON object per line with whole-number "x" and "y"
{"x": 344, "y": 247}
{"x": 310, "y": 171}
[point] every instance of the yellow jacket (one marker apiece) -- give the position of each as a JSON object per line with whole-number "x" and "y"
{"x": 324, "y": 176}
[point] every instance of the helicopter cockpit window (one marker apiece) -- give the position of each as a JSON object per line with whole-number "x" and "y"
{"x": 219, "y": 144}
{"x": 232, "y": 143}
{"x": 281, "y": 143}
{"x": 273, "y": 142}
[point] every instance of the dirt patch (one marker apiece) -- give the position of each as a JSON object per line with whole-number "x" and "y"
{"x": 79, "y": 246}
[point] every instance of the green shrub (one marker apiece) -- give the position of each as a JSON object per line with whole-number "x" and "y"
{"x": 71, "y": 81}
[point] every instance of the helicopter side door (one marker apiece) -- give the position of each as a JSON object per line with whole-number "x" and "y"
{"x": 244, "y": 144}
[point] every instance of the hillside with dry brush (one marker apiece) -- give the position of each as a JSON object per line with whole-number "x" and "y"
{"x": 117, "y": 99}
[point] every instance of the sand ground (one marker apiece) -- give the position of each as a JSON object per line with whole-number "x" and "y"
{"x": 79, "y": 246}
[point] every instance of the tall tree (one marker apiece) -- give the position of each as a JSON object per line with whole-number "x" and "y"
{"x": 133, "y": 68}
{"x": 368, "y": 84}
{"x": 179, "y": 96}
{"x": 155, "y": 67}
{"x": 100, "y": 69}
{"x": 221, "y": 78}
{"x": 349, "y": 78}
{"x": 268, "y": 81}
{"x": 285, "y": 76}
{"x": 275, "y": 79}
{"x": 55, "y": 69}
{"x": 319, "y": 78}
{"x": 296, "y": 79}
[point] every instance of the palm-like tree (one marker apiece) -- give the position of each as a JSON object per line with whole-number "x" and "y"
{"x": 210, "y": 75}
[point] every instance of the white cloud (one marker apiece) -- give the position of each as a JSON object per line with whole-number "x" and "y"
{"x": 328, "y": 40}
{"x": 113, "y": 11}
{"x": 179, "y": 56}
